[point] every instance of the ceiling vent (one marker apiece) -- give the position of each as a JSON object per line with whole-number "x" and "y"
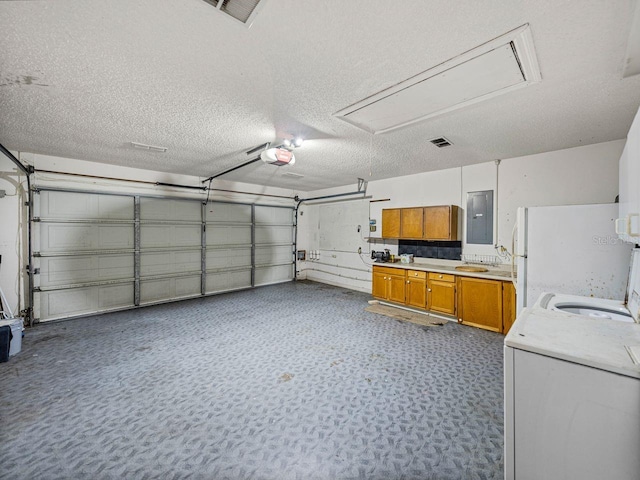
{"x": 501, "y": 65}
{"x": 243, "y": 11}
{"x": 151, "y": 148}
{"x": 292, "y": 175}
{"x": 441, "y": 142}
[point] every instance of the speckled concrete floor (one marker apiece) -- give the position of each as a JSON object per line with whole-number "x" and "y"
{"x": 293, "y": 381}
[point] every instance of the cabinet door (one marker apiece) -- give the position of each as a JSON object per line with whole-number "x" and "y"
{"x": 379, "y": 288}
{"x": 396, "y": 288}
{"x": 441, "y": 223}
{"x": 411, "y": 222}
{"x": 480, "y": 303}
{"x": 416, "y": 292}
{"x": 508, "y": 306}
{"x": 442, "y": 296}
{"x": 391, "y": 223}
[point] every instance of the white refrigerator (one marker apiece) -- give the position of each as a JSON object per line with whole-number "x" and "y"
{"x": 570, "y": 249}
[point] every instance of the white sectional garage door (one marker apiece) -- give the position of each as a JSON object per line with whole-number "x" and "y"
{"x": 100, "y": 252}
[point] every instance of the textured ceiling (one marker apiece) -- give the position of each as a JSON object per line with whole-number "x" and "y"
{"x": 82, "y": 79}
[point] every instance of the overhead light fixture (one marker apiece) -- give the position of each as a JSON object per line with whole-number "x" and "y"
{"x": 152, "y": 148}
{"x": 292, "y": 143}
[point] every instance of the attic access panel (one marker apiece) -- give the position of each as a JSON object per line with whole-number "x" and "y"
{"x": 494, "y": 68}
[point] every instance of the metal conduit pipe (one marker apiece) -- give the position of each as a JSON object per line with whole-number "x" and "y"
{"x": 337, "y": 274}
{"x": 27, "y": 170}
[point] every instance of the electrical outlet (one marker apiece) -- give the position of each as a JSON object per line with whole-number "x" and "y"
{"x": 372, "y": 228}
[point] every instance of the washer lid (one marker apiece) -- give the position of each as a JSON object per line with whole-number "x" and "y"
{"x": 633, "y": 287}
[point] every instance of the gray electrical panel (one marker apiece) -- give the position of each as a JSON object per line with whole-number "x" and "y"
{"x": 480, "y": 217}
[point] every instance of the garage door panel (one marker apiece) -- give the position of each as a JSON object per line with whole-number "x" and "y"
{"x": 77, "y": 301}
{"x": 169, "y": 288}
{"x": 273, "y": 215}
{"x": 56, "y": 237}
{"x": 56, "y": 271}
{"x": 89, "y": 240}
{"x": 228, "y": 258}
{"x": 224, "y": 281}
{"x": 84, "y": 206}
{"x": 226, "y": 235}
{"x": 164, "y": 209}
{"x": 228, "y": 213}
{"x": 269, "y": 275}
{"x": 170, "y": 262}
{"x": 273, "y": 254}
{"x": 271, "y": 234}
{"x": 170, "y": 236}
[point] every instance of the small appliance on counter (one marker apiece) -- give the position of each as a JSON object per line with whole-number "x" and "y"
{"x": 381, "y": 257}
{"x": 406, "y": 258}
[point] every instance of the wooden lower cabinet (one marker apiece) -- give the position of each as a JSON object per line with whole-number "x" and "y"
{"x": 416, "y": 289}
{"x": 441, "y": 293}
{"x": 480, "y": 303}
{"x": 389, "y": 284}
{"x": 508, "y": 306}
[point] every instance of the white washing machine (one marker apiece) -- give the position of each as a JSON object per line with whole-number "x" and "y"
{"x": 572, "y": 397}
{"x": 624, "y": 311}
{"x": 572, "y": 388}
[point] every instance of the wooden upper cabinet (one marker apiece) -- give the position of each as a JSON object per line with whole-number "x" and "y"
{"x": 411, "y": 222}
{"x": 391, "y": 222}
{"x": 421, "y": 223}
{"x": 441, "y": 223}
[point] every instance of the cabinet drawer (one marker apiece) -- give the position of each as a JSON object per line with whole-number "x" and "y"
{"x": 443, "y": 277}
{"x": 388, "y": 270}
{"x": 416, "y": 274}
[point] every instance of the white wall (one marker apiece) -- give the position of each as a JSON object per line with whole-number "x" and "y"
{"x": 573, "y": 176}
{"x": 11, "y": 238}
{"x": 13, "y": 232}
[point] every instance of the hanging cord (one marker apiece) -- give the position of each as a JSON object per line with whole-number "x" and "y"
{"x": 206, "y": 202}
{"x": 371, "y": 155}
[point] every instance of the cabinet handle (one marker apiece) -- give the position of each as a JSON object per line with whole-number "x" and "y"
{"x": 440, "y": 276}
{"x": 428, "y": 289}
{"x": 408, "y": 281}
{"x": 385, "y": 278}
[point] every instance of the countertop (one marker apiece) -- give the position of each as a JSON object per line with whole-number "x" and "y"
{"x": 595, "y": 342}
{"x": 494, "y": 273}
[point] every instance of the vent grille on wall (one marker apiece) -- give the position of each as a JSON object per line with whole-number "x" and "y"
{"x": 499, "y": 66}
{"x": 440, "y": 142}
{"x": 242, "y": 10}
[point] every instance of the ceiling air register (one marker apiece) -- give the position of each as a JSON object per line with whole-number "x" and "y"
{"x": 499, "y": 66}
